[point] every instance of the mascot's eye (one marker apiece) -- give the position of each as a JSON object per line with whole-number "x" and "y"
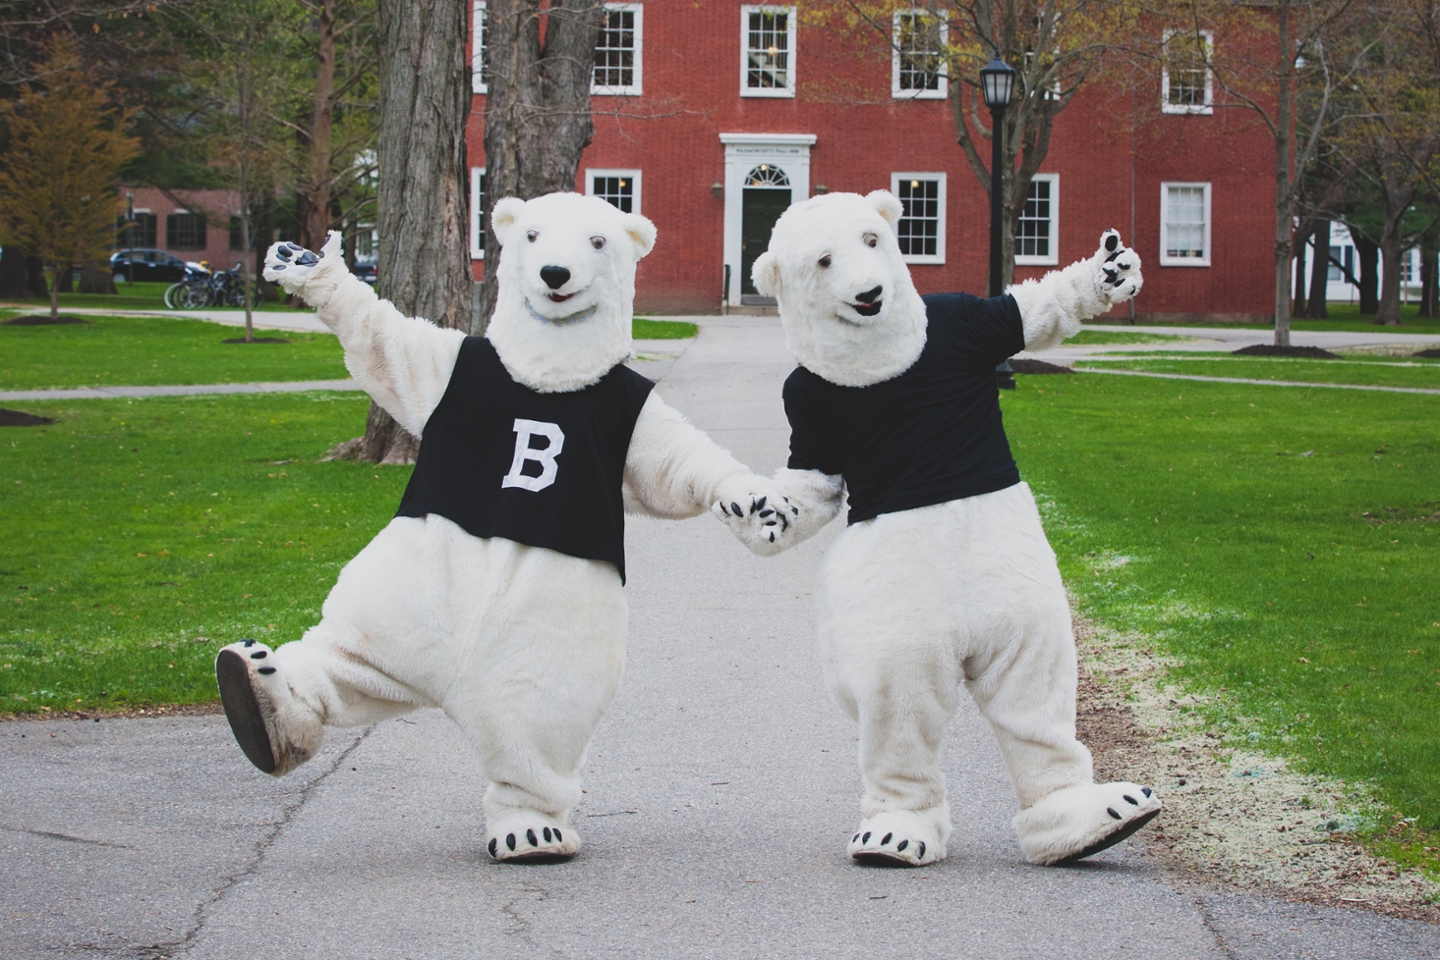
{"x": 871, "y": 239}
{"x": 598, "y": 243}
{"x": 531, "y": 236}
{"x": 825, "y": 260}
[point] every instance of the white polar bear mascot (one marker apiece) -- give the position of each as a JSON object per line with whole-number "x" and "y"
{"x": 944, "y": 574}
{"x": 495, "y": 593}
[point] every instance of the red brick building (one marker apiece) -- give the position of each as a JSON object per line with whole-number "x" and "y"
{"x": 751, "y": 109}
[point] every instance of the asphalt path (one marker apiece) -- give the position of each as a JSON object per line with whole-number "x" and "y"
{"x": 721, "y": 790}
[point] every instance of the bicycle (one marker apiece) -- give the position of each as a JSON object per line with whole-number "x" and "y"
{"x": 221, "y": 288}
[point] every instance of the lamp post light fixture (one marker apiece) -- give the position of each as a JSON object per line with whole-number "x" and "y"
{"x": 997, "y": 83}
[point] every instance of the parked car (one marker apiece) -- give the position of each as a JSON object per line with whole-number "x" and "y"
{"x": 138, "y": 264}
{"x": 365, "y": 271}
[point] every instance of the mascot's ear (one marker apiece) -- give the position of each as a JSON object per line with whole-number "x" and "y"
{"x": 503, "y": 217}
{"x": 765, "y": 273}
{"x": 887, "y": 205}
{"x": 642, "y": 231}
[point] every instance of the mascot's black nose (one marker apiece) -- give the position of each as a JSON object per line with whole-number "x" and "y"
{"x": 869, "y": 296}
{"x": 554, "y": 277}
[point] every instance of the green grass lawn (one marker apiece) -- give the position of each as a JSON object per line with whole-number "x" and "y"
{"x": 1100, "y": 337}
{"x": 141, "y": 295}
{"x": 140, "y": 536}
{"x": 143, "y": 351}
{"x": 1374, "y": 371}
{"x": 1301, "y": 584}
{"x": 1345, "y": 317}
{"x": 643, "y": 328}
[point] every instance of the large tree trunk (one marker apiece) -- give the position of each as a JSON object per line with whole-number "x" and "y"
{"x": 14, "y": 283}
{"x": 537, "y": 110}
{"x": 1368, "y": 253}
{"x": 315, "y": 199}
{"x": 1284, "y": 194}
{"x": 1320, "y": 276}
{"x": 423, "y": 220}
{"x": 1387, "y": 313}
{"x": 1428, "y": 250}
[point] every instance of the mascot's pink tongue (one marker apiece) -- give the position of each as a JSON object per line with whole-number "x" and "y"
{"x": 559, "y": 298}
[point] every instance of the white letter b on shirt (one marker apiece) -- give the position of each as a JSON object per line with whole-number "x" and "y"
{"x": 524, "y": 430}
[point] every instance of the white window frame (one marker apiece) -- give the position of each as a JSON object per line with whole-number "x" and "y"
{"x": 632, "y": 175}
{"x": 789, "y": 89}
{"x": 943, "y": 90}
{"x": 1169, "y": 261}
{"x": 1194, "y": 109}
{"x": 477, "y": 236}
{"x": 1054, "y": 257}
{"x": 477, "y": 47}
{"x": 939, "y": 255}
{"x": 636, "y": 87}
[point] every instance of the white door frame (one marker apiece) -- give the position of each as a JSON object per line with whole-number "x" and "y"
{"x": 743, "y": 153}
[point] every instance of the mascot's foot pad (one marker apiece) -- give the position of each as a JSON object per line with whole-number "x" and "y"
{"x": 1080, "y": 821}
{"x": 898, "y": 838}
{"x": 531, "y": 837}
{"x": 253, "y": 694}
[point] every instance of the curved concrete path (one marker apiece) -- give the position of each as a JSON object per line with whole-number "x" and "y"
{"x": 721, "y": 790}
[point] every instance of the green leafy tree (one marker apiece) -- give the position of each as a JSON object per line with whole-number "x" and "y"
{"x": 59, "y": 195}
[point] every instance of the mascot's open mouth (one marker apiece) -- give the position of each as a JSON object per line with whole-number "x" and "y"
{"x": 559, "y": 298}
{"x": 866, "y": 309}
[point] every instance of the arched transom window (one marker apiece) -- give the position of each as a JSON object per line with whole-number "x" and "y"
{"x": 767, "y": 175}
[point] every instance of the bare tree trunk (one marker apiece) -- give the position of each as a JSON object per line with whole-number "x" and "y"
{"x": 1387, "y": 313}
{"x": 316, "y": 198}
{"x": 1368, "y": 253}
{"x": 423, "y": 219}
{"x": 1428, "y": 245}
{"x": 13, "y": 279}
{"x": 1284, "y": 194}
{"x": 1320, "y": 276}
{"x": 537, "y": 110}
{"x": 55, "y": 289}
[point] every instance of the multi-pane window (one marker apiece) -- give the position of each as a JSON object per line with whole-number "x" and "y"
{"x": 1185, "y": 79}
{"x": 185, "y": 231}
{"x": 620, "y": 188}
{"x": 917, "y": 68}
{"x": 921, "y": 229}
{"x": 1185, "y": 224}
{"x": 768, "y": 47}
{"x": 479, "y": 68}
{"x": 618, "y": 51}
{"x": 1036, "y": 240}
{"x": 477, "y": 213}
{"x": 138, "y": 231}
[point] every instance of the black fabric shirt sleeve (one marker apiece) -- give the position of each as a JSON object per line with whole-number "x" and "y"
{"x": 813, "y": 445}
{"x": 987, "y": 330}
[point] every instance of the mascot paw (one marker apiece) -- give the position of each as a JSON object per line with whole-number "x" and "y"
{"x": 290, "y": 265}
{"x": 899, "y": 838}
{"x": 249, "y": 688}
{"x": 1117, "y": 269}
{"x": 763, "y": 522}
{"x": 1076, "y": 822}
{"x": 531, "y": 836}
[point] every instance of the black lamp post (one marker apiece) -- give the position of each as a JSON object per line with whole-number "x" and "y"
{"x": 997, "y": 83}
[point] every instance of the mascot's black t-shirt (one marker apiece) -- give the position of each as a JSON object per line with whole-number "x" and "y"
{"x": 543, "y": 469}
{"x": 931, "y": 434}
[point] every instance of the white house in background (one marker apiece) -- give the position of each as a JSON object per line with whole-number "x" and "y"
{"x": 1342, "y": 248}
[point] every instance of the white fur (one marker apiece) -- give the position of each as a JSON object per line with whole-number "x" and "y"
{"x": 912, "y": 604}
{"x": 522, "y": 646}
{"x": 1071, "y": 820}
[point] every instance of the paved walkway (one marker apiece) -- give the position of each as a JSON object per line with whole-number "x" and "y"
{"x": 721, "y": 790}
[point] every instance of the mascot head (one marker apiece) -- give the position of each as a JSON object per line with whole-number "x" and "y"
{"x": 849, "y": 308}
{"x": 566, "y": 288}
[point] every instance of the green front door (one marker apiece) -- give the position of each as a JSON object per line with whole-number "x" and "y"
{"x": 760, "y": 208}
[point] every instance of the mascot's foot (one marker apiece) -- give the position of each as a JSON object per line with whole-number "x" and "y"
{"x": 1079, "y": 821}
{"x": 901, "y": 838}
{"x": 253, "y": 692}
{"x": 530, "y": 836}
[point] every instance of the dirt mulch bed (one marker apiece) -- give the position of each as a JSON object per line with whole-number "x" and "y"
{"x": 18, "y": 418}
{"x": 1037, "y": 366}
{"x": 1428, "y": 354}
{"x": 256, "y": 340}
{"x": 129, "y": 713}
{"x": 1269, "y": 350}
{"x": 43, "y": 320}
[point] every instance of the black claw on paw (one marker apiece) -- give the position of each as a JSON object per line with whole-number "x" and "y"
{"x": 865, "y": 838}
{"x": 1131, "y": 800}
{"x": 510, "y": 840}
{"x": 736, "y": 507}
{"x": 266, "y": 670}
{"x": 546, "y": 834}
{"x": 854, "y": 838}
{"x": 1111, "y": 811}
{"x": 886, "y": 839}
{"x": 901, "y": 845}
{"x": 784, "y": 524}
{"x": 920, "y": 850}
{"x": 795, "y": 511}
{"x": 1146, "y": 790}
{"x": 772, "y": 536}
{"x": 760, "y": 504}
{"x": 766, "y": 513}
{"x": 258, "y": 655}
{"x": 530, "y": 835}
{"x": 557, "y": 834}
{"x": 493, "y": 845}
{"x": 248, "y": 643}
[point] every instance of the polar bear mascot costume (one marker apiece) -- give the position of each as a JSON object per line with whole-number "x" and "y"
{"x": 943, "y": 574}
{"x": 495, "y": 593}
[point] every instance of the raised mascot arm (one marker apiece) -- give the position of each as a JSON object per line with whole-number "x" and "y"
{"x": 404, "y": 363}
{"x": 1053, "y": 307}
